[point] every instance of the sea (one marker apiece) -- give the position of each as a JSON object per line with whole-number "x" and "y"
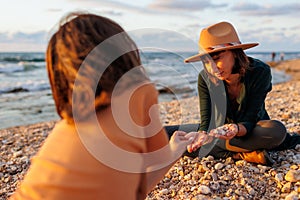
{"x": 25, "y": 95}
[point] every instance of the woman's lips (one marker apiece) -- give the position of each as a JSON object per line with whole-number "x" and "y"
{"x": 219, "y": 74}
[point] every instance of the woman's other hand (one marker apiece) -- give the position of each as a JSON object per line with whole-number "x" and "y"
{"x": 226, "y": 132}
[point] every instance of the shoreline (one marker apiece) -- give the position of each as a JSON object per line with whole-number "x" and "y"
{"x": 291, "y": 67}
{"x": 187, "y": 179}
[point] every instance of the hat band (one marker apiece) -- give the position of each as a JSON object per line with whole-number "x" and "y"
{"x": 223, "y": 45}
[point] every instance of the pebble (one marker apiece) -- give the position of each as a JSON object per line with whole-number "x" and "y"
{"x": 219, "y": 166}
{"x": 164, "y": 191}
{"x": 17, "y": 154}
{"x": 279, "y": 177}
{"x": 203, "y": 189}
{"x": 292, "y": 196}
{"x": 286, "y": 187}
{"x": 292, "y": 175}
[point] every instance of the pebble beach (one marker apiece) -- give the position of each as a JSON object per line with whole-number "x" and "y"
{"x": 195, "y": 179}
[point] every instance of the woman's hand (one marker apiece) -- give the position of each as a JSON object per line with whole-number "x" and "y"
{"x": 199, "y": 139}
{"x": 226, "y": 132}
{"x": 179, "y": 142}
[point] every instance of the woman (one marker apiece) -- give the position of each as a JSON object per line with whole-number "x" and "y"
{"x": 232, "y": 89}
{"x": 109, "y": 143}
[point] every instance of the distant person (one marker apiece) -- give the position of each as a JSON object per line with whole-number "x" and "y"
{"x": 232, "y": 90}
{"x": 273, "y": 56}
{"x": 109, "y": 124}
{"x": 282, "y": 56}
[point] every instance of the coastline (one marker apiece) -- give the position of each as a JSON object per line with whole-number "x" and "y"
{"x": 291, "y": 67}
{"x": 188, "y": 179}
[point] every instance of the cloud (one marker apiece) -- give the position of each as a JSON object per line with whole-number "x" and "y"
{"x": 117, "y": 8}
{"x": 39, "y": 36}
{"x": 295, "y": 28}
{"x": 288, "y": 44}
{"x": 111, "y": 13}
{"x": 271, "y": 39}
{"x": 251, "y": 9}
{"x": 188, "y": 5}
{"x": 152, "y": 39}
{"x": 21, "y": 41}
{"x": 54, "y": 10}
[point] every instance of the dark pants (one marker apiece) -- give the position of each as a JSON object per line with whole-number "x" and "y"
{"x": 267, "y": 134}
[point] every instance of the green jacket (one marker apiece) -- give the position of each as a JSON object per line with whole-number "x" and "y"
{"x": 215, "y": 109}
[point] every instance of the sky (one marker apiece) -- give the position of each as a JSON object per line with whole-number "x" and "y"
{"x": 171, "y": 24}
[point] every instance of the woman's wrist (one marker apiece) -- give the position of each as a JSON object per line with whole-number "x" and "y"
{"x": 241, "y": 130}
{"x": 238, "y": 129}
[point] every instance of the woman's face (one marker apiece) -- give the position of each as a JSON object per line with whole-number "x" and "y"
{"x": 220, "y": 64}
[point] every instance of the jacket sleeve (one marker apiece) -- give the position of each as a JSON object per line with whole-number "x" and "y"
{"x": 259, "y": 84}
{"x": 212, "y": 99}
{"x": 204, "y": 103}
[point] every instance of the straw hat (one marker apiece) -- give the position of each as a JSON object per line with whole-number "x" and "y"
{"x": 218, "y": 37}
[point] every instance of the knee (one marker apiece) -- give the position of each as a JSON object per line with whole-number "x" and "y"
{"x": 274, "y": 129}
{"x": 281, "y": 131}
{"x": 277, "y": 130}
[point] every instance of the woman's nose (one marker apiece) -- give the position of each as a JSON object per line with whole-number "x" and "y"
{"x": 215, "y": 67}
{"x": 218, "y": 65}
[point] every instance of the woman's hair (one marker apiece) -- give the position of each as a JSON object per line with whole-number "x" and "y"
{"x": 72, "y": 47}
{"x": 241, "y": 63}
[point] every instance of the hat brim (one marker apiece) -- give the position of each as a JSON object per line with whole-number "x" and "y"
{"x": 197, "y": 57}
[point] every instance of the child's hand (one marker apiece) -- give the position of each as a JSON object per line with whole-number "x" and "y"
{"x": 200, "y": 138}
{"x": 179, "y": 142}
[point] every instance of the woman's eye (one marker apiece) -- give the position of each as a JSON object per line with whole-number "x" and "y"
{"x": 216, "y": 57}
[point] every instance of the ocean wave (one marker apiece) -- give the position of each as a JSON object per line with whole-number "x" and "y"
{"x": 19, "y": 67}
{"x": 14, "y": 59}
{"x": 31, "y": 65}
{"x": 25, "y": 57}
{"x": 28, "y": 86}
{"x": 10, "y": 68}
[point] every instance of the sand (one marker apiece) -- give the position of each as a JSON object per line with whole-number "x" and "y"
{"x": 206, "y": 178}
